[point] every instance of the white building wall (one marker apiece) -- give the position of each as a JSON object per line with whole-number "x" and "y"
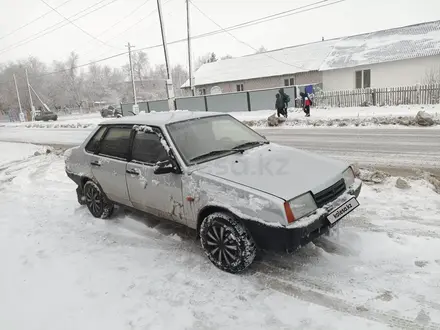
{"x": 263, "y": 83}
{"x": 389, "y": 74}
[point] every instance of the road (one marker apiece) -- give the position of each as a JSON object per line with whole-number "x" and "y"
{"x": 395, "y": 150}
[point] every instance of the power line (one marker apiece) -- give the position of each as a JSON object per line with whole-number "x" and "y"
{"x": 132, "y": 26}
{"x": 249, "y": 23}
{"x": 122, "y": 19}
{"x": 269, "y": 18}
{"x": 242, "y": 42}
{"x": 242, "y": 25}
{"x": 56, "y": 26}
{"x": 33, "y": 21}
{"x": 77, "y": 26}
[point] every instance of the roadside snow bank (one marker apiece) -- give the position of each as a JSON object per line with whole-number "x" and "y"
{"x": 326, "y": 117}
{"x": 11, "y": 152}
{"x": 345, "y": 117}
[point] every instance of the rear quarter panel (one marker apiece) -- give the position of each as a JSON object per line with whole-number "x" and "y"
{"x": 77, "y": 160}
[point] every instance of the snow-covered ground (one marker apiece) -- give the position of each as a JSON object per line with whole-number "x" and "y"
{"x": 64, "y": 269}
{"x": 328, "y": 117}
{"x": 16, "y": 152}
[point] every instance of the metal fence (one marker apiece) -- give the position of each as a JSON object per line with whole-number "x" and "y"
{"x": 263, "y": 99}
{"x": 418, "y": 94}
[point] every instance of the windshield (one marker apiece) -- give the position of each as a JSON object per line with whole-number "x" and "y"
{"x": 214, "y": 137}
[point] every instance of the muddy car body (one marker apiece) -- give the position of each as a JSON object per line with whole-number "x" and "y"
{"x": 212, "y": 173}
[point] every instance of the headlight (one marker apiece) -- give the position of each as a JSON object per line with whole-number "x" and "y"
{"x": 300, "y": 206}
{"x": 348, "y": 176}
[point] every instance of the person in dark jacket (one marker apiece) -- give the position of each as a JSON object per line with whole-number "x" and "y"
{"x": 279, "y": 105}
{"x": 306, "y": 103}
{"x": 286, "y": 100}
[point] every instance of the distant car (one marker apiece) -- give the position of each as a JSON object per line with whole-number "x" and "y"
{"x": 46, "y": 116}
{"x": 214, "y": 174}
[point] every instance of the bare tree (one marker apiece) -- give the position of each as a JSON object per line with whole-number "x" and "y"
{"x": 207, "y": 58}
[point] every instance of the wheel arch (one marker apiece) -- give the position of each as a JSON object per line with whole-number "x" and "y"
{"x": 210, "y": 209}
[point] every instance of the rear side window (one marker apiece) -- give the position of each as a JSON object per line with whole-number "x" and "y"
{"x": 93, "y": 144}
{"x": 116, "y": 142}
{"x": 147, "y": 148}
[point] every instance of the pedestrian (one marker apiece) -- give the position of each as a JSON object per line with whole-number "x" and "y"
{"x": 279, "y": 105}
{"x": 286, "y": 100}
{"x": 306, "y": 103}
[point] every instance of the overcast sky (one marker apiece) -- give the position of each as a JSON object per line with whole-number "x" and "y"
{"x": 141, "y": 28}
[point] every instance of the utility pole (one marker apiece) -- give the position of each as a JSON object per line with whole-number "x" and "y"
{"x": 30, "y": 96}
{"x": 169, "y": 83}
{"x": 135, "y": 106}
{"x": 18, "y": 98}
{"x": 191, "y": 82}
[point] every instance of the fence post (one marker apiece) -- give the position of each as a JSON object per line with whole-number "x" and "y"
{"x": 248, "y": 96}
{"x": 418, "y": 93}
{"x": 175, "y": 103}
{"x": 373, "y": 94}
{"x": 148, "y": 107}
{"x": 206, "y": 103}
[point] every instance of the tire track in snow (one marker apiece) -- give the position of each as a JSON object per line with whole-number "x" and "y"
{"x": 291, "y": 288}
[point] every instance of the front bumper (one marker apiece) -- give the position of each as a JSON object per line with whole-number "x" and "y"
{"x": 288, "y": 239}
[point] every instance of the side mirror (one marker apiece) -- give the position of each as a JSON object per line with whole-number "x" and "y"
{"x": 165, "y": 167}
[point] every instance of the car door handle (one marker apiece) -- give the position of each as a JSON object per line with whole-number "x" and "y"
{"x": 133, "y": 171}
{"x": 95, "y": 163}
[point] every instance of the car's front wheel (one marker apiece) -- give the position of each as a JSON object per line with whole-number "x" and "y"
{"x": 227, "y": 242}
{"x": 96, "y": 201}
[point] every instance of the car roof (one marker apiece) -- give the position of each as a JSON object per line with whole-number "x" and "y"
{"x": 161, "y": 118}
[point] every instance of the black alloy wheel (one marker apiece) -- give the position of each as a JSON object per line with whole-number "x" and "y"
{"x": 227, "y": 242}
{"x": 96, "y": 202}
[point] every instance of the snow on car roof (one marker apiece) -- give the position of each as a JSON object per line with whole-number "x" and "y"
{"x": 161, "y": 118}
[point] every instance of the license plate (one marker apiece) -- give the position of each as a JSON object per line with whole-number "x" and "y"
{"x": 343, "y": 210}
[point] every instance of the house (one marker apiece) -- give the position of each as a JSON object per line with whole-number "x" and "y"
{"x": 389, "y": 58}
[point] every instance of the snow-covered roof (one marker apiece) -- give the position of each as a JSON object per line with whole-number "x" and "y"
{"x": 375, "y": 47}
{"x": 384, "y": 46}
{"x": 279, "y": 62}
{"x": 161, "y": 118}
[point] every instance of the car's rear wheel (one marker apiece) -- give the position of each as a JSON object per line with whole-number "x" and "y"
{"x": 97, "y": 203}
{"x": 227, "y": 242}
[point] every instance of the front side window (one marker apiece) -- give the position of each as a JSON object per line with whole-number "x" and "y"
{"x": 148, "y": 148}
{"x": 116, "y": 142}
{"x": 93, "y": 144}
{"x": 215, "y": 137}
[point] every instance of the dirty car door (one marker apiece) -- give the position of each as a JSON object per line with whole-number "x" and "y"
{"x": 109, "y": 165}
{"x": 160, "y": 194}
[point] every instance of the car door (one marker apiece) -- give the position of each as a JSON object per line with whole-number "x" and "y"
{"x": 158, "y": 194}
{"x": 110, "y": 162}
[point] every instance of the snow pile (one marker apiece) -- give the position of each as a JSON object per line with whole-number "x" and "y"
{"x": 345, "y": 117}
{"x": 327, "y": 117}
{"x": 68, "y": 270}
{"x": 67, "y": 121}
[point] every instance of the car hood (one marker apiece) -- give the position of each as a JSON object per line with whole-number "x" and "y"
{"x": 278, "y": 170}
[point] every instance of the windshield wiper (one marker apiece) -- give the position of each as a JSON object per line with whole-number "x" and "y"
{"x": 250, "y": 144}
{"x": 215, "y": 152}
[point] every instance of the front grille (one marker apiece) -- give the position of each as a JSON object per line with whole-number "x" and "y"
{"x": 330, "y": 194}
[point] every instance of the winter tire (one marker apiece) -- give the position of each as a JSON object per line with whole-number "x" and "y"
{"x": 96, "y": 201}
{"x": 227, "y": 242}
